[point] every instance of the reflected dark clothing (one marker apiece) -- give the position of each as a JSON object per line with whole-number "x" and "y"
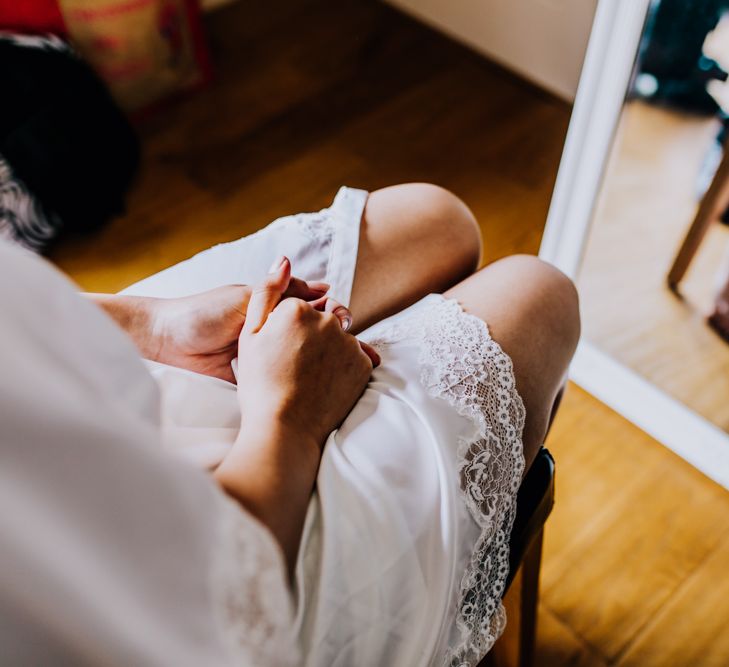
{"x": 675, "y": 35}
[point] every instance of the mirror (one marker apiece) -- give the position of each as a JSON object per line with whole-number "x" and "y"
{"x": 640, "y": 219}
{"x": 664, "y": 158}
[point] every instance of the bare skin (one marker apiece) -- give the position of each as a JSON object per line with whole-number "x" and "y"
{"x": 415, "y": 239}
{"x": 198, "y": 332}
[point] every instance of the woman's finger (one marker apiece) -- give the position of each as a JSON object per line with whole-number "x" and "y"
{"x": 371, "y": 353}
{"x": 318, "y": 285}
{"x": 320, "y": 303}
{"x": 265, "y": 297}
{"x": 306, "y": 291}
{"x": 343, "y": 313}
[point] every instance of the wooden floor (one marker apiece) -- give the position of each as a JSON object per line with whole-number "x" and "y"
{"x": 315, "y": 93}
{"x": 312, "y": 94}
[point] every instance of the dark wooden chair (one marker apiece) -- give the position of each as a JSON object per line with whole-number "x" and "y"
{"x": 534, "y": 504}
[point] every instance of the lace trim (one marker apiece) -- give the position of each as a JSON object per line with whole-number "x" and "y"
{"x": 253, "y": 604}
{"x": 464, "y": 366}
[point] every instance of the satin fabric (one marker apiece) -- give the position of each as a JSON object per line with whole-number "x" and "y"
{"x": 387, "y": 538}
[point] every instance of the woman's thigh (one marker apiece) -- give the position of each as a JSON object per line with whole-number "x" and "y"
{"x": 532, "y": 311}
{"x": 415, "y": 238}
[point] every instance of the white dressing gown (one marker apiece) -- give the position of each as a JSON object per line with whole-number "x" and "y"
{"x": 112, "y": 552}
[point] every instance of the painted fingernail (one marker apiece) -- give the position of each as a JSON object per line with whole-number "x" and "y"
{"x": 344, "y": 317}
{"x": 276, "y": 264}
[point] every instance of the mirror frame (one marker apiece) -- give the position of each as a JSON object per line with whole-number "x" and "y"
{"x": 606, "y": 72}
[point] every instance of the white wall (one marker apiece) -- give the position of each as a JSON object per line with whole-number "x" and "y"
{"x": 543, "y": 40}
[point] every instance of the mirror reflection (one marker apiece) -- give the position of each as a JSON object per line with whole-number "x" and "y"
{"x": 655, "y": 278}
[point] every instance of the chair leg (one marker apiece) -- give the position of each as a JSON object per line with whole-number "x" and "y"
{"x": 712, "y": 205}
{"x": 530, "y": 602}
{"x": 515, "y": 648}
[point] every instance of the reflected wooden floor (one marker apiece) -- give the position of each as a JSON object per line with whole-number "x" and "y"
{"x": 314, "y": 93}
{"x": 644, "y": 212}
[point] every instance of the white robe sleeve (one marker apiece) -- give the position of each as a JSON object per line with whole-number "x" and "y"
{"x": 112, "y": 551}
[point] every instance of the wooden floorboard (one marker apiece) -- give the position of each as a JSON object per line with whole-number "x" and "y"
{"x": 691, "y": 628}
{"x": 369, "y": 99}
{"x": 311, "y": 94}
{"x": 559, "y": 646}
{"x": 631, "y": 526}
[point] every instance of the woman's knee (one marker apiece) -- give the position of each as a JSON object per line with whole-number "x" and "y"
{"x": 431, "y": 219}
{"x": 415, "y": 239}
{"x": 551, "y": 296}
{"x": 532, "y": 311}
{"x": 543, "y": 339}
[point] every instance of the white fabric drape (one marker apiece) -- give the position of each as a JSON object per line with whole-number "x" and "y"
{"x": 111, "y": 551}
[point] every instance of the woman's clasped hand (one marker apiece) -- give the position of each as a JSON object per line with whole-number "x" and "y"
{"x": 299, "y": 375}
{"x": 297, "y": 365}
{"x": 200, "y": 332}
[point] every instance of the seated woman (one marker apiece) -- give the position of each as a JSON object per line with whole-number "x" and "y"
{"x": 374, "y": 479}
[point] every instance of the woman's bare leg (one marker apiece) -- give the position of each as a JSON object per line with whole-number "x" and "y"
{"x": 415, "y": 239}
{"x": 531, "y": 309}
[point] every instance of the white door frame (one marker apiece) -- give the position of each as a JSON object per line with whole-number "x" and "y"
{"x": 606, "y": 73}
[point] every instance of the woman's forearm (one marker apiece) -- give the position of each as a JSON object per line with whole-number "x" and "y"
{"x": 271, "y": 472}
{"x": 134, "y": 314}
